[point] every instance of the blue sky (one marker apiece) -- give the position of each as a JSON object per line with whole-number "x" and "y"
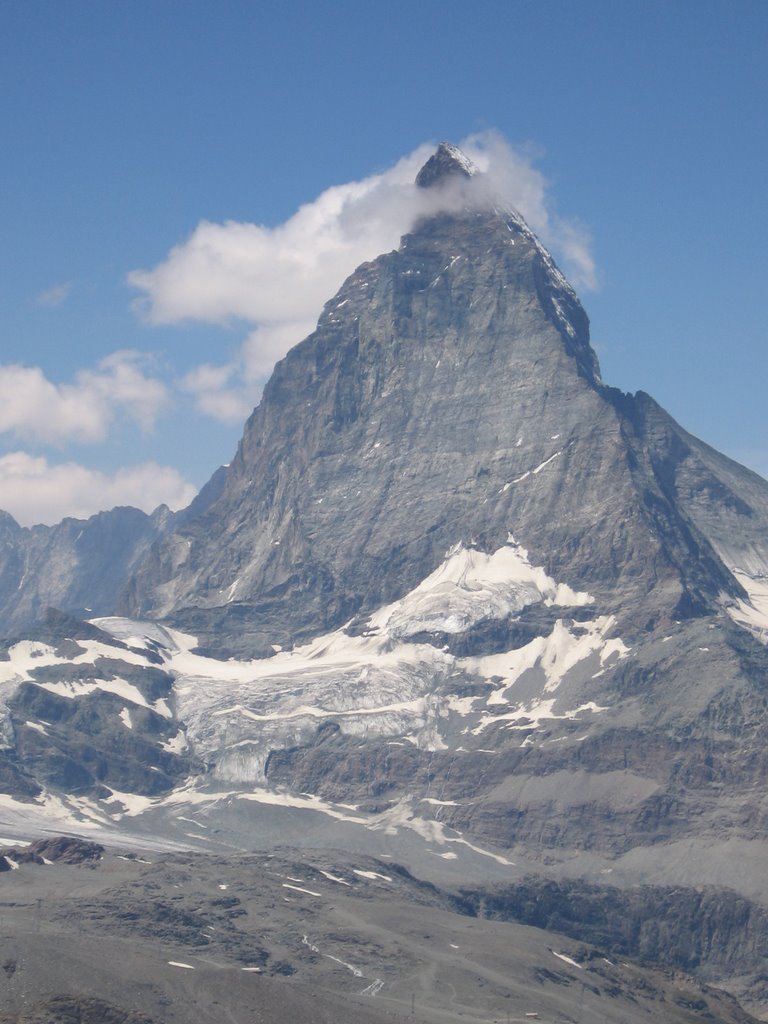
{"x": 140, "y": 137}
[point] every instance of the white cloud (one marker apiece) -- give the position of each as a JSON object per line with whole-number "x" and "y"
{"x": 229, "y": 392}
{"x": 217, "y": 395}
{"x": 278, "y": 278}
{"x": 35, "y": 409}
{"x": 268, "y": 275}
{"x": 55, "y": 295}
{"x": 35, "y": 491}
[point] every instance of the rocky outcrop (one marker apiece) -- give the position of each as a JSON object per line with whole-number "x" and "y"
{"x": 78, "y": 1010}
{"x": 64, "y": 849}
{"x": 88, "y": 715}
{"x": 714, "y": 933}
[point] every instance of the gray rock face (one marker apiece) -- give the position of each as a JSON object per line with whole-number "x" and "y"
{"x": 447, "y": 163}
{"x": 78, "y": 566}
{"x": 449, "y": 394}
{"x": 90, "y": 720}
{"x": 389, "y": 435}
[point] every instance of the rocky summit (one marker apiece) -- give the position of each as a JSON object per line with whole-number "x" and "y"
{"x": 455, "y": 601}
{"x": 450, "y": 396}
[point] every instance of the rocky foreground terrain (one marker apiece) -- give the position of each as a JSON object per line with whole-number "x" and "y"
{"x": 119, "y": 938}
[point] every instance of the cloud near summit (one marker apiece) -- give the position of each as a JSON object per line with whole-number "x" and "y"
{"x": 277, "y": 278}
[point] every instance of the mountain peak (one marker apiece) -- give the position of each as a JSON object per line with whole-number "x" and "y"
{"x": 448, "y": 161}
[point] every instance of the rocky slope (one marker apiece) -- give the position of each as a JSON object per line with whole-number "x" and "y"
{"x": 450, "y": 395}
{"x": 284, "y": 938}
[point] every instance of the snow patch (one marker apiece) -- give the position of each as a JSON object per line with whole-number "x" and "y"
{"x": 554, "y": 656}
{"x": 333, "y": 878}
{"x": 298, "y": 888}
{"x": 176, "y": 744}
{"x": 566, "y": 959}
{"x": 751, "y": 614}
{"x": 132, "y": 804}
{"x": 470, "y": 586}
{"x": 307, "y": 803}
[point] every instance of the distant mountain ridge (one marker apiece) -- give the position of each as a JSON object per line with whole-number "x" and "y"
{"x": 77, "y": 565}
{"x": 80, "y": 566}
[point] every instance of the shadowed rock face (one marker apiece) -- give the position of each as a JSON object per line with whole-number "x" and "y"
{"x": 65, "y": 849}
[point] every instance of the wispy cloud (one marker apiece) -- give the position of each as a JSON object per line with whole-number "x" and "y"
{"x": 33, "y": 408}
{"x": 55, "y": 295}
{"x": 221, "y": 392}
{"x": 512, "y": 175}
{"x": 277, "y": 278}
{"x": 36, "y": 491}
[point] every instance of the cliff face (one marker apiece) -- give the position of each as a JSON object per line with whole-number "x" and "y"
{"x": 391, "y": 433}
{"x": 449, "y": 394}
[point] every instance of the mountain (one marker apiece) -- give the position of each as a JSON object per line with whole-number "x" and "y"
{"x": 450, "y": 395}
{"x": 78, "y": 566}
{"x": 456, "y": 602}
